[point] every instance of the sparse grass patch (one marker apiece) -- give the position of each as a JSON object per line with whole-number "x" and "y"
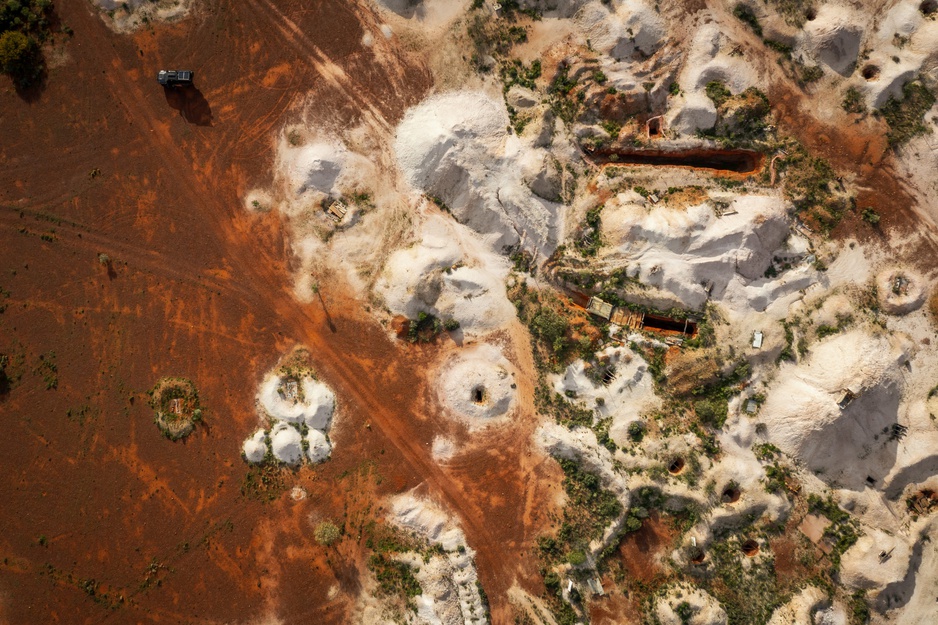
{"x": 589, "y": 239}
{"x": 264, "y": 482}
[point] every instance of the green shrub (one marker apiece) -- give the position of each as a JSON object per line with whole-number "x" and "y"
{"x": 716, "y": 90}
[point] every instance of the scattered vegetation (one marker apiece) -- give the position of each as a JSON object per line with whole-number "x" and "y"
{"x": 589, "y": 510}
{"x": 176, "y": 402}
{"x": 48, "y": 370}
{"x": 853, "y": 101}
{"x": 424, "y": 329}
{"x": 556, "y": 339}
{"x": 811, "y": 73}
{"x": 562, "y": 100}
{"x": 264, "y": 482}
{"x": 808, "y": 184}
{"x": 590, "y": 237}
{"x": 906, "y": 117}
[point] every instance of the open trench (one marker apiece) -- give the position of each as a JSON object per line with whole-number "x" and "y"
{"x": 733, "y": 161}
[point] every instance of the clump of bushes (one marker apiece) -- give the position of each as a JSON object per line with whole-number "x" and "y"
{"x": 24, "y": 26}
{"x": 906, "y": 117}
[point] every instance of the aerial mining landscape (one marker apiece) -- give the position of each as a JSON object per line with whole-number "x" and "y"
{"x": 530, "y": 312}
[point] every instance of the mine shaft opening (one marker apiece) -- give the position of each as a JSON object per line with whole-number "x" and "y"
{"x": 737, "y": 161}
{"x": 669, "y": 324}
{"x": 750, "y": 547}
{"x": 928, "y": 7}
{"x": 478, "y": 395}
{"x": 609, "y": 375}
{"x": 731, "y": 495}
{"x": 870, "y": 72}
{"x": 810, "y": 15}
{"x": 676, "y": 466}
{"x": 697, "y": 556}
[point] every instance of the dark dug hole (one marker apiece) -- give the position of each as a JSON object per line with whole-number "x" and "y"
{"x": 737, "y": 161}
{"x": 928, "y": 7}
{"x": 657, "y": 322}
{"x": 190, "y": 103}
{"x": 750, "y": 548}
{"x": 697, "y": 555}
{"x": 870, "y": 72}
{"x": 730, "y": 495}
{"x": 676, "y": 466}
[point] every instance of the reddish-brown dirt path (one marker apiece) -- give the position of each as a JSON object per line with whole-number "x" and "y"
{"x": 103, "y": 520}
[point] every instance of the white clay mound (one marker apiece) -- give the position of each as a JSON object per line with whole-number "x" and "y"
{"x": 287, "y": 443}
{"x": 680, "y": 253}
{"x": 315, "y": 409}
{"x": 255, "y": 448}
{"x": 455, "y": 146}
{"x": 803, "y": 415}
{"x": 319, "y": 447}
{"x": 833, "y": 38}
{"x": 477, "y": 385}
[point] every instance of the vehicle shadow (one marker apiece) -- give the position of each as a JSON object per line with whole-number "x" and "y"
{"x": 190, "y": 103}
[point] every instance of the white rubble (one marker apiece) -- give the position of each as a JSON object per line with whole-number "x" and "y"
{"x": 448, "y": 581}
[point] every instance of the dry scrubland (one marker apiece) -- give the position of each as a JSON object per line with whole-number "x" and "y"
{"x": 746, "y": 435}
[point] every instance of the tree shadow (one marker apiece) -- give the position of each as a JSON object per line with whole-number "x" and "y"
{"x": 325, "y": 310}
{"x": 29, "y": 89}
{"x": 190, "y": 103}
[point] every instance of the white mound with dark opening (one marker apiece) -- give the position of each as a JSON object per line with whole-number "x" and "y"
{"x": 477, "y": 386}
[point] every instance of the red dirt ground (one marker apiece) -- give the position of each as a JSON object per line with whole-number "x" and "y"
{"x": 103, "y": 520}
{"x": 639, "y": 558}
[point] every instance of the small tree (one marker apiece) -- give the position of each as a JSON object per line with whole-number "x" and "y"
{"x": 19, "y": 57}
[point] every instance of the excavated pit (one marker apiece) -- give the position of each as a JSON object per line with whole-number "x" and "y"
{"x": 669, "y": 324}
{"x": 676, "y": 467}
{"x": 735, "y": 161}
{"x": 730, "y": 495}
{"x": 750, "y": 548}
